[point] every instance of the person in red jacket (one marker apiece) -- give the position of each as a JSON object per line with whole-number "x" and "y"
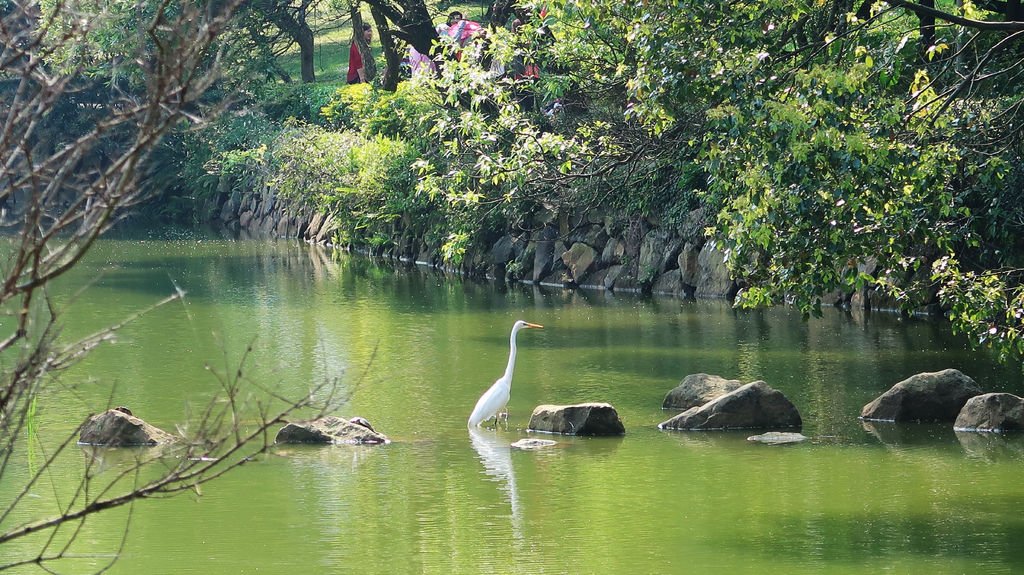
{"x": 356, "y": 72}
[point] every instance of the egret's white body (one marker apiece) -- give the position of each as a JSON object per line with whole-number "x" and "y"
{"x": 494, "y": 400}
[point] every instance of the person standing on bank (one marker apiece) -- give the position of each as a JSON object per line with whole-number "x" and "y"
{"x": 356, "y": 70}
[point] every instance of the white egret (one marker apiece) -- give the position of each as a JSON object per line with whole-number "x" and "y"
{"x": 494, "y": 400}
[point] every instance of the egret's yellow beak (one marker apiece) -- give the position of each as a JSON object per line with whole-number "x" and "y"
{"x": 534, "y": 325}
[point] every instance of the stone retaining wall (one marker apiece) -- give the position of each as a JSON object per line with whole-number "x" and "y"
{"x": 588, "y": 250}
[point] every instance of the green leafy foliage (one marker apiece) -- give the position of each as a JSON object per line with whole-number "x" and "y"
{"x": 303, "y": 102}
{"x": 837, "y": 151}
{"x": 828, "y": 144}
{"x": 365, "y": 178}
{"x": 987, "y": 306}
{"x": 194, "y": 161}
{"x": 399, "y": 114}
{"x": 823, "y": 175}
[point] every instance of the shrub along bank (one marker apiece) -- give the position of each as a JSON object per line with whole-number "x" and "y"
{"x": 343, "y": 167}
{"x": 832, "y": 156}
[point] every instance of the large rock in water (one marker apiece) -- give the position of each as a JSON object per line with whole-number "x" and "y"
{"x": 754, "y": 405}
{"x": 697, "y": 389}
{"x": 330, "y": 430}
{"x": 118, "y": 427}
{"x": 996, "y": 412}
{"x": 579, "y": 419}
{"x": 926, "y": 397}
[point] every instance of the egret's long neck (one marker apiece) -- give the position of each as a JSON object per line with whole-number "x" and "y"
{"x": 511, "y": 354}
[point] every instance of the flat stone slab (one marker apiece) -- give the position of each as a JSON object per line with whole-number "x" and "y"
{"x": 331, "y": 430}
{"x": 533, "y": 444}
{"x": 778, "y": 438}
{"x": 579, "y": 419}
{"x": 118, "y": 427}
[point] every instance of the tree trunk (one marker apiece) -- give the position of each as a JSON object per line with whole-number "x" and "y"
{"x": 411, "y": 20}
{"x": 295, "y": 26}
{"x": 499, "y": 13}
{"x": 1014, "y": 11}
{"x": 306, "y": 52}
{"x": 387, "y": 43}
{"x": 927, "y": 28}
{"x": 864, "y": 11}
{"x": 369, "y": 65}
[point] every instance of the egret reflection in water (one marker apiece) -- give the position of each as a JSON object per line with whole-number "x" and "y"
{"x": 496, "y": 455}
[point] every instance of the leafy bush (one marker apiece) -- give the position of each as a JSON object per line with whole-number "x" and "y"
{"x": 310, "y": 163}
{"x": 396, "y": 114}
{"x": 302, "y": 102}
{"x": 346, "y": 106}
{"x": 367, "y": 183}
{"x": 383, "y": 167}
{"x": 187, "y": 169}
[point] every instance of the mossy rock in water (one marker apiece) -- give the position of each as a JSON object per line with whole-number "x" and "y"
{"x": 533, "y": 444}
{"x": 330, "y": 430}
{"x": 992, "y": 412}
{"x": 778, "y": 438}
{"x": 752, "y": 406}
{"x": 925, "y": 397}
{"x": 118, "y": 427}
{"x": 579, "y": 419}
{"x": 697, "y": 389}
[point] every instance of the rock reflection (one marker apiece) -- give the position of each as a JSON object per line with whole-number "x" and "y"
{"x": 720, "y": 438}
{"x": 99, "y": 459}
{"x": 991, "y": 446}
{"x": 496, "y": 455}
{"x": 908, "y": 434}
{"x": 326, "y": 459}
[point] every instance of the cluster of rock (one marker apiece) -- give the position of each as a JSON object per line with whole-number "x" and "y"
{"x": 331, "y": 430}
{"x": 596, "y": 251}
{"x": 118, "y": 427}
{"x": 755, "y": 405}
{"x": 947, "y": 396}
{"x": 262, "y": 213}
{"x": 713, "y": 402}
{"x": 589, "y": 249}
{"x": 709, "y": 402}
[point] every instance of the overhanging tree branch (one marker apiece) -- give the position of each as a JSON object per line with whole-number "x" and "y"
{"x": 928, "y": 11}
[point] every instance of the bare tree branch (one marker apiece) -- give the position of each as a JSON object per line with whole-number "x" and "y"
{"x": 74, "y": 148}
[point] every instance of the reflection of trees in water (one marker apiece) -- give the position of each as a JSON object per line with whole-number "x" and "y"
{"x": 496, "y": 455}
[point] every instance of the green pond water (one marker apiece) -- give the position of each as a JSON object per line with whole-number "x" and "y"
{"x": 415, "y": 349}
